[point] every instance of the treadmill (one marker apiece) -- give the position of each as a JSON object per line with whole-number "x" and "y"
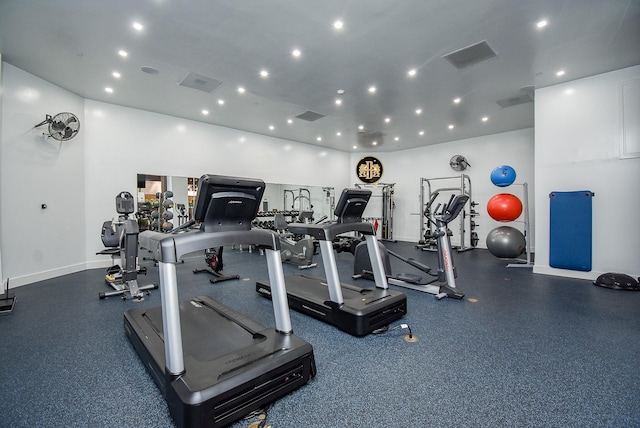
{"x": 355, "y": 310}
{"x": 212, "y": 364}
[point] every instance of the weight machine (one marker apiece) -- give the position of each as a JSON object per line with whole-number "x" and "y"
{"x": 458, "y": 185}
{"x": 388, "y": 205}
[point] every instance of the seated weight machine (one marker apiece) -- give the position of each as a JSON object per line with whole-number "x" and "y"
{"x": 121, "y": 239}
{"x": 295, "y": 251}
{"x": 439, "y": 218}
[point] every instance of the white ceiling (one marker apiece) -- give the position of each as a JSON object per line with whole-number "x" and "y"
{"x": 74, "y": 44}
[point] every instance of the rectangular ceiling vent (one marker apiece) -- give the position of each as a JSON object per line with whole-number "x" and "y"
{"x": 514, "y": 101}
{"x": 199, "y": 82}
{"x": 370, "y": 138}
{"x": 310, "y": 116}
{"x": 470, "y": 55}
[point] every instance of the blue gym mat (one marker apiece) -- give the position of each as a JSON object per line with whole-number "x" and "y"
{"x": 570, "y": 230}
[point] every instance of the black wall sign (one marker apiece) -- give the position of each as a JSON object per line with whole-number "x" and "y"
{"x": 369, "y": 170}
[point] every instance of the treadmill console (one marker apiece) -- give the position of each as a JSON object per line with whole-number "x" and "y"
{"x": 351, "y": 205}
{"x": 227, "y": 203}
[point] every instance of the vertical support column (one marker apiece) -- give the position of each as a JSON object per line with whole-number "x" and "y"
{"x": 376, "y": 262}
{"x": 331, "y": 272}
{"x": 171, "y": 318}
{"x": 278, "y": 291}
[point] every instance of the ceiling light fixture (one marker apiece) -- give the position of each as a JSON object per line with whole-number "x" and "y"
{"x": 485, "y": 118}
{"x": 412, "y": 72}
{"x": 421, "y": 133}
{"x": 542, "y": 23}
{"x": 387, "y": 119}
{"x": 137, "y": 26}
{"x": 296, "y": 53}
{"x": 355, "y": 147}
{"x": 451, "y": 127}
{"x": 289, "y": 121}
{"x": 372, "y": 89}
{"x": 560, "y": 73}
{"x": 419, "y": 111}
{"x": 338, "y": 101}
{"x": 397, "y": 138}
{"x": 271, "y": 127}
{"x": 457, "y": 100}
{"x": 374, "y": 143}
{"x": 341, "y": 91}
{"x": 338, "y": 25}
{"x": 319, "y": 138}
{"x": 264, "y": 73}
{"x": 123, "y": 53}
{"x": 361, "y": 127}
{"x": 108, "y": 89}
{"x": 221, "y": 102}
{"x": 205, "y": 112}
{"x": 241, "y": 89}
{"x": 116, "y": 74}
{"x": 338, "y": 133}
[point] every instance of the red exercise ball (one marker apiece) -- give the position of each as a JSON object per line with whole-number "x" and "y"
{"x": 504, "y": 207}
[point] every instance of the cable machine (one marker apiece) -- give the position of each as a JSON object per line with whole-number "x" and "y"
{"x": 388, "y": 205}
{"x": 462, "y": 187}
{"x": 304, "y": 195}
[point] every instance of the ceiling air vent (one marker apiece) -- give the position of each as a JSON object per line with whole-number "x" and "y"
{"x": 516, "y": 100}
{"x": 199, "y": 82}
{"x": 310, "y": 116}
{"x": 370, "y": 138}
{"x": 470, "y": 55}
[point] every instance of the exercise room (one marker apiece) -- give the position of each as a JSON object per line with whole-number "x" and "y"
{"x": 320, "y": 213}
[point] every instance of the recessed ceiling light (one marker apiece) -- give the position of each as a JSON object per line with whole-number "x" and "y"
{"x": 374, "y": 143}
{"x": 412, "y": 72}
{"x": 485, "y": 118}
{"x": 397, "y": 138}
{"x": 338, "y": 133}
{"x": 221, "y": 102}
{"x": 387, "y": 119}
{"x": 319, "y": 138}
{"x": 338, "y": 25}
{"x": 542, "y": 23}
{"x": 372, "y": 89}
{"x": 205, "y": 112}
{"x": 451, "y": 126}
{"x": 271, "y": 127}
{"x": 108, "y": 89}
{"x": 457, "y": 100}
{"x": 123, "y": 53}
{"x": 137, "y": 26}
{"x": 338, "y": 101}
{"x": 355, "y": 147}
{"x": 289, "y": 121}
{"x": 296, "y": 53}
{"x": 264, "y": 73}
{"x": 419, "y": 111}
{"x": 560, "y": 73}
{"x": 341, "y": 91}
{"x": 116, "y": 74}
{"x": 361, "y": 127}
{"x": 241, "y": 89}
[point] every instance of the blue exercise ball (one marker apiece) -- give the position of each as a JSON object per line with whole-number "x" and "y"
{"x": 503, "y": 176}
{"x": 506, "y": 242}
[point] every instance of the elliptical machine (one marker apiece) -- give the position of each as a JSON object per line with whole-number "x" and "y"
{"x": 446, "y": 274}
{"x": 121, "y": 238}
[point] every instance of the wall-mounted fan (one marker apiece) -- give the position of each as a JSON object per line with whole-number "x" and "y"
{"x": 458, "y": 163}
{"x": 63, "y": 126}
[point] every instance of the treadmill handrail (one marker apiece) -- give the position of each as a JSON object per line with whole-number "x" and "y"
{"x": 170, "y": 248}
{"x": 329, "y": 231}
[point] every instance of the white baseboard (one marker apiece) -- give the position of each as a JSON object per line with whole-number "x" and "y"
{"x": 18, "y": 281}
{"x": 547, "y": 270}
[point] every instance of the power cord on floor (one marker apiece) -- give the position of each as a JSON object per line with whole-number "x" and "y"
{"x": 261, "y": 414}
{"x": 386, "y": 329}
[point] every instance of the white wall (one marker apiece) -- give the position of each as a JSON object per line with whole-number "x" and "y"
{"x": 122, "y": 142}
{"x": 577, "y": 139}
{"x": 79, "y": 179}
{"x": 39, "y": 243}
{"x": 405, "y": 168}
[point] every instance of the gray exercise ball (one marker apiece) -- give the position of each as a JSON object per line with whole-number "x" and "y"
{"x": 506, "y": 242}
